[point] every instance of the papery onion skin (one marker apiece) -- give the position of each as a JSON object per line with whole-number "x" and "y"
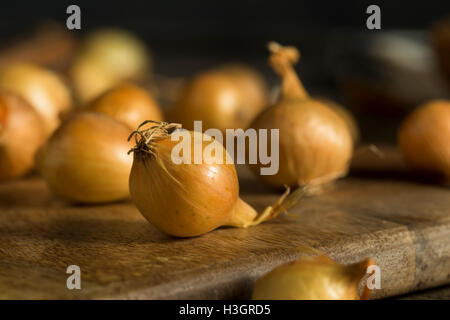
{"x": 194, "y": 199}
{"x": 424, "y": 138}
{"x": 86, "y": 159}
{"x": 129, "y": 104}
{"x": 315, "y": 143}
{"x": 106, "y": 58}
{"x": 251, "y": 83}
{"x": 194, "y": 196}
{"x": 219, "y": 99}
{"x": 348, "y": 118}
{"x": 41, "y": 88}
{"x": 318, "y": 278}
{"x": 21, "y": 134}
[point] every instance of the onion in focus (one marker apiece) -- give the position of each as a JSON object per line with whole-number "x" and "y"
{"x": 21, "y": 134}
{"x": 187, "y": 200}
{"x": 424, "y": 138}
{"x": 347, "y": 116}
{"x": 129, "y": 104}
{"x": 315, "y": 144}
{"x": 86, "y": 160}
{"x": 318, "y": 278}
{"x": 41, "y": 88}
{"x": 106, "y": 58}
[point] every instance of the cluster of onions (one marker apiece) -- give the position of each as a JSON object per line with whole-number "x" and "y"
{"x": 424, "y": 138}
{"x": 106, "y": 58}
{"x": 316, "y": 144}
{"x": 129, "y": 104}
{"x": 190, "y": 199}
{"x": 21, "y": 134}
{"x": 86, "y": 160}
{"x": 228, "y": 97}
{"x": 318, "y": 278}
{"x": 41, "y": 88}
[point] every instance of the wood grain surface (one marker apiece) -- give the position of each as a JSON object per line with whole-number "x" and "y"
{"x": 387, "y": 213}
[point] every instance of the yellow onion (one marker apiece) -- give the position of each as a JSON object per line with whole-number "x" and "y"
{"x": 223, "y": 99}
{"x": 86, "y": 160}
{"x": 315, "y": 144}
{"x": 41, "y": 88}
{"x": 21, "y": 134}
{"x": 106, "y": 58}
{"x": 185, "y": 199}
{"x": 318, "y": 278}
{"x": 424, "y": 138}
{"x": 251, "y": 83}
{"x": 347, "y": 116}
{"x": 129, "y": 104}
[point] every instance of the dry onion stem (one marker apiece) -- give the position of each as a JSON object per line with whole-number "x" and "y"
{"x": 315, "y": 145}
{"x": 314, "y": 278}
{"x": 188, "y": 200}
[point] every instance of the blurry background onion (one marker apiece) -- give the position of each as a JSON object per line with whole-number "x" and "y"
{"x": 250, "y": 81}
{"x": 86, "y": 159}
{"x": 424, "y": 138}
{"x": 228, "y": 97}
{"x": 21, "y": 134}
{"x": 107, "y": 57}
{"x": 129, "y": 104}
{"x": 41, "y": 88}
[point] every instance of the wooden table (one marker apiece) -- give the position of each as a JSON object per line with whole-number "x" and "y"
{"x": 402, "y": 222}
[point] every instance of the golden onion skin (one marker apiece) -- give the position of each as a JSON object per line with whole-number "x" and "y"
{"x": 318, "y": 278}
{"x": 252, "y": 84}
{"x": 347, "y": 116}
{"x": 21, "y": 134}
{"x": 41, "y": 88}
{"x": 86, "y": 159}
{"x": 194, "y": 198}
{"x": 424, "y": 138}
{"x": 315, "y": 144}
{"x": 129, "y": 104}
{"x": 218, "y": 99}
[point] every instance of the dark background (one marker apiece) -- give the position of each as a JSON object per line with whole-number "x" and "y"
{"x": 226, "y": 29}
{"x": 188, "y": 36}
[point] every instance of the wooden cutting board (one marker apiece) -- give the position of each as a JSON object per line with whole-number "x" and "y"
{"x": 388, "y": 214}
